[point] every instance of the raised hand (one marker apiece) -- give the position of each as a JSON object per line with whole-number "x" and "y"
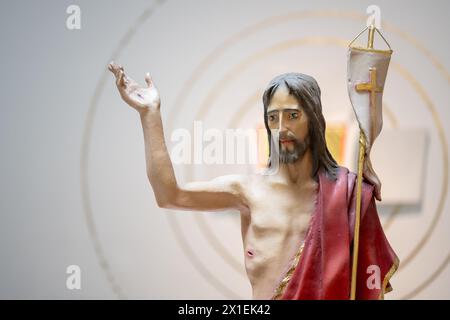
{"x": 140, "y": 98}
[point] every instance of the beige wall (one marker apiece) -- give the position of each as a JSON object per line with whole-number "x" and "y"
{"x": 74, "y": 188}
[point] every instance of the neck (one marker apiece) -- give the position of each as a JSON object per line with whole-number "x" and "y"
{"x": 299, "y": 172}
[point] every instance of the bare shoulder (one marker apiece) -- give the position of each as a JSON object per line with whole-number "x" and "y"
{"x": 238, "y": 184}
{"x": 233, "y": 183}
{"x": 242, "y": 183}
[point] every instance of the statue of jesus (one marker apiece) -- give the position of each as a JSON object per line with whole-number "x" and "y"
{"x": 297, "y": 223}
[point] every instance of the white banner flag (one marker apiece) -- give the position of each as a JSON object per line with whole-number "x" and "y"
{"x": 366, "y": 72}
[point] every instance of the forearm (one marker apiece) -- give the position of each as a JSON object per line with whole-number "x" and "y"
{"x": 159, "y": 166}
{"x": 207, "y": 196}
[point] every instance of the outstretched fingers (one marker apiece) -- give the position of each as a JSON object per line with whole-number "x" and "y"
{"x": 120, "y": 80}
{"x": 114, "y": 68}
{"x": 148, "y": 80}
{"x": 117, "y": 70}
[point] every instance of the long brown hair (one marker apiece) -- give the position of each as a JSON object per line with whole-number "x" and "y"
{"x": 307, "y": 92}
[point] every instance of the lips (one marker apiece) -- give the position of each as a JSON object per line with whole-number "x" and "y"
{"x": 286, "y": 141}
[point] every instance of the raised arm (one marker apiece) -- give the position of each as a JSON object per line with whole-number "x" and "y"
{"x": 218, "y": 194}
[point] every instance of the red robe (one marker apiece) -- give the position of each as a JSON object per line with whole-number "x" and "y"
{"x": 324, "y": 267}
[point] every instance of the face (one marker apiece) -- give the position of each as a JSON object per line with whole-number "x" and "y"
{"x": 285, "y": 114}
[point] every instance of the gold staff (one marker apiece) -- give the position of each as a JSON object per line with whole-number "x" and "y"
{"x": 372, "y": 129}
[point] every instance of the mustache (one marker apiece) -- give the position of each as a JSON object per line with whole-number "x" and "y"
{"x": 287, "y": 137}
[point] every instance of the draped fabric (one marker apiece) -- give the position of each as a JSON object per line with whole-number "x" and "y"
{"x": 324, "y": 268}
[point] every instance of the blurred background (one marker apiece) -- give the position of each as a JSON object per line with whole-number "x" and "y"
{"x": 73, "y": 185}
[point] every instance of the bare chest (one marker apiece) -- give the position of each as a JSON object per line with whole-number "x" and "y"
{"x": 275, "y": 228}
{"x": 277, "y": 220}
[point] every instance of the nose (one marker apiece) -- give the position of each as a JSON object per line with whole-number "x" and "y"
{"x": 282, "y": 126}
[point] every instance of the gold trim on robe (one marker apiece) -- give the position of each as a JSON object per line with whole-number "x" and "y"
{"x": 386, "y": 289}
{"x": 280, "y": 289}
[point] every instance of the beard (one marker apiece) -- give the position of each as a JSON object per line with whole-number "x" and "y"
{"x": 299, "y": 149}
